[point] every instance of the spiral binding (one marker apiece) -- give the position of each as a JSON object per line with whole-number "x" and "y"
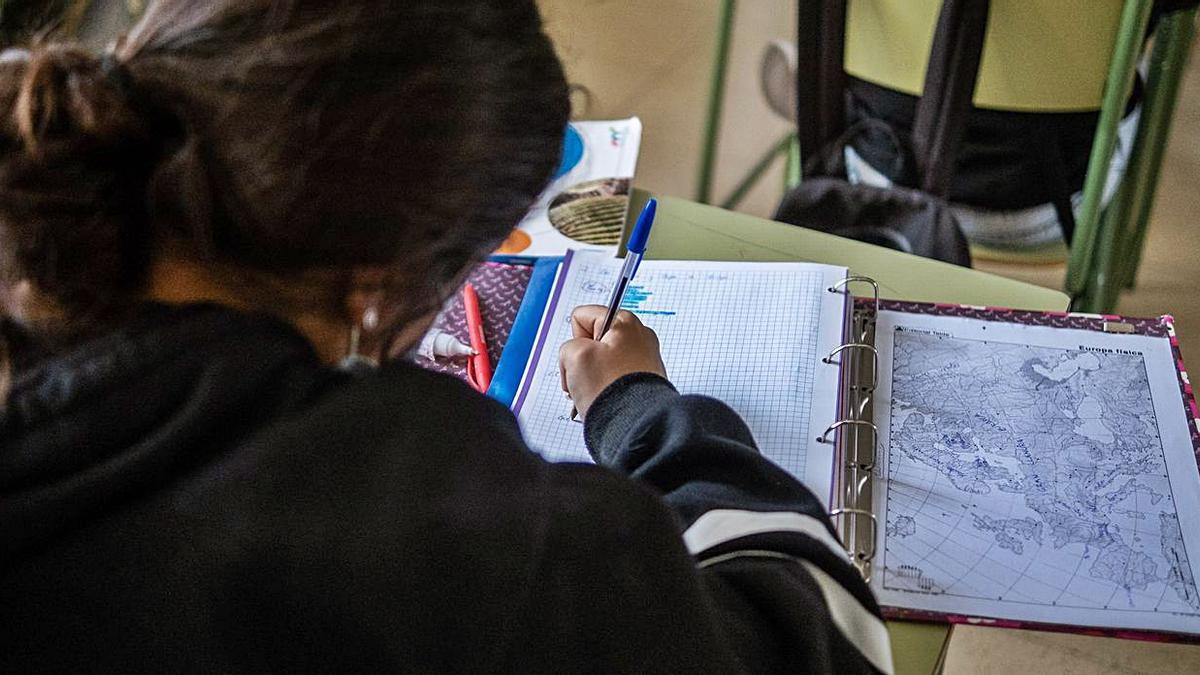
{"x": 856, "y": 455}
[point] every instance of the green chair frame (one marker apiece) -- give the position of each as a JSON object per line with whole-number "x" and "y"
{"x": 1107, "y": 250}
{"x": 787, "y": 147}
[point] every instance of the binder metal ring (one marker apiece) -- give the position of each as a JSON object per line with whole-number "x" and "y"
{"x": 868, "y": 467}
{"x": 867, "y": 322}
{"x": 869, "y": 554}
{"x": 824, "y": 438}
{"x": 841, "y": 287}
{"x": 858, "y": 345}
{"x": 852, "y": 495}
{"x": 856, "y": 463}
{"x": 861, "y": 411}
{"x": 856, "y": 460}
{"x": 860, "y": 482}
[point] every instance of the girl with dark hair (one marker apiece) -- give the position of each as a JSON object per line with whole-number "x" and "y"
{"x": 196, "y": 229}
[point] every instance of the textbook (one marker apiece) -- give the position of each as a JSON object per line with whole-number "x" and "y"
{"x": 586, "y": 201}
{"x": 981, "y": 465}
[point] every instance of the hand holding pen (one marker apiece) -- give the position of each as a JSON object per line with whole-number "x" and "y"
{"x": 574, "y": 353}
{"x": 588, "y": 365}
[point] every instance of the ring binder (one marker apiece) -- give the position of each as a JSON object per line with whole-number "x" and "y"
{"x": 883, "y": 489}
{"x": 861, "y": 558}
{"x": 839, "y": 424}
{"x": 858, "y": 345}
{"x": 843, "y": 287}
{"x": 862, "y": 466}
{"x": 824, "y": 437}
{"x": 856, "y": 458}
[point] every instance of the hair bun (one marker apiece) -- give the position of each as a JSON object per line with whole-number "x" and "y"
{"x": 64, "y": 93}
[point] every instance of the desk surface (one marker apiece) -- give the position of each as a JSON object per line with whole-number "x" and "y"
{"x": 686, "y": 230}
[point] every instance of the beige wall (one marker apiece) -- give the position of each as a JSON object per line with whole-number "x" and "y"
{"x": 653, "y": 58}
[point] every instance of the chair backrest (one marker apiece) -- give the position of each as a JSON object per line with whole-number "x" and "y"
{"x": 915, "y": 221}
{"x": 1038, "y": 55}
{"x": 953, "y": 64}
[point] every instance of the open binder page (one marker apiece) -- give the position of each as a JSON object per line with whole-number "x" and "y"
{"x": 1034, "y": 474}
{"x": 750, "y": 334}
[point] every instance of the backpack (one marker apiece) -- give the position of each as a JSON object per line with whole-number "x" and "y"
{"x": 914, "y": 221}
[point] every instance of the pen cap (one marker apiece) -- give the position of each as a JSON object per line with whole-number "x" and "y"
{"x": 641, "y": 231}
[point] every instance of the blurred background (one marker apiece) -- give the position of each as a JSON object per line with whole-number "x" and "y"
{"x": 653, "y": 59}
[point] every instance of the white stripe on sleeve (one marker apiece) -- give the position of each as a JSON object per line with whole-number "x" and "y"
{"x": 867, "y": 632}
{"x": 721, "y": 525}
{"x": 863, "y": 629}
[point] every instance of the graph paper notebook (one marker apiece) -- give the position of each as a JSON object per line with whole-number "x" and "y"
{"x": 981, "y": 465}
{"x": 750, "y": 334}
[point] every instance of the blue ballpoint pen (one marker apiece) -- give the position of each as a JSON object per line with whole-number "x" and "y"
{"x": 634, "y": 251}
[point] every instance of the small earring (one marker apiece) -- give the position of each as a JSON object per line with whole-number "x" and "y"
{"x": 370, "y": 319}
{"x": 354, "y": 362}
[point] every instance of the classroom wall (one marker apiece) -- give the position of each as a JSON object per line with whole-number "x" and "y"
{"x": 653, "y": 58}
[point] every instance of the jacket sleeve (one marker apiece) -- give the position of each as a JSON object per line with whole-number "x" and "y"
{"x": 778, "y": 587}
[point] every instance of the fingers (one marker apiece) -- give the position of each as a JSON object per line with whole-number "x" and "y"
{"x": 572, "y": 352}
{"x": 569, "y": 354}
{"x": 625, "y": 317}
{"x": 587, "y": 320}
{"x": 587, "y": 366}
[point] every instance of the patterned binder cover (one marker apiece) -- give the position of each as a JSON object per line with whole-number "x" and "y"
{"x": 1163, "y": 326}
{"x": 501, "y": 288}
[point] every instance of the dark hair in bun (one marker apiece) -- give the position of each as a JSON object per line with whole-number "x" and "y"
{"x": 290, "y": 139}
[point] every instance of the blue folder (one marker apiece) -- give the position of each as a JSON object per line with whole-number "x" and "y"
{"x": 511, "y": 368}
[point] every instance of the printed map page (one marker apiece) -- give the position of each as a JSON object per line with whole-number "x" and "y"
{"x": 1035, "y": 474}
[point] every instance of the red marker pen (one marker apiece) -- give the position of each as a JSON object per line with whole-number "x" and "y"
{"x": 479, "y": 367}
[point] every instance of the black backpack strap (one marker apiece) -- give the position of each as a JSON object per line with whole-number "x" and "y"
{"x": 821, "y": 75}
{"x": 832, "y": 121}
{"x": 1054, "y": 165}
{"x": 945, "y": 104}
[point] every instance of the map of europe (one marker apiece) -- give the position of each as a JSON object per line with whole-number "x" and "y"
{"x": 1030, "y": 475}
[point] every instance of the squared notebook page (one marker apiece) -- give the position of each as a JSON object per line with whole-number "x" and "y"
{"x": 750, "y": 334}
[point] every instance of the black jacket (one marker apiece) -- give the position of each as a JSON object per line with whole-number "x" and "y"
{"x": 195, "y": 492}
